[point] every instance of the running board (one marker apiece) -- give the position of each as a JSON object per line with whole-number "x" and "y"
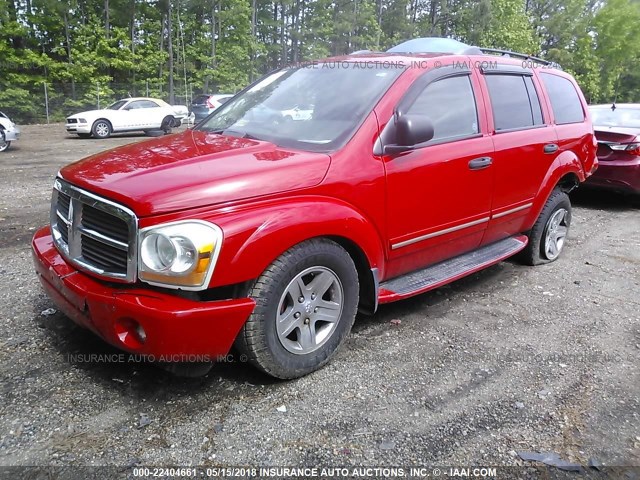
{"x": 450, "y": 270}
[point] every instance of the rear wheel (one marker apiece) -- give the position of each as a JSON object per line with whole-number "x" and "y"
{"x": 167, "y": 124}
{"x": 101, "y": 129}
{"x": 548, "y": 235}
{"x": 306, "y": 303}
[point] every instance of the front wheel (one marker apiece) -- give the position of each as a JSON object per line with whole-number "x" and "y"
{"x": 548, "y": 235}
{"x": 306, "y": 303}
{"x": 101, "y": 129}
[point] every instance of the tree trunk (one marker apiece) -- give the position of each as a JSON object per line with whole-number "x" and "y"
{"x": 69, "y": 57}
{"x": 107, "y": 26}
{"x": 283, "y": 43}
{"x": 254, "y": 41}
{"x": 160, "y": 71}
{"x": 172, "y": 92}
{"x": 132, "y": 27}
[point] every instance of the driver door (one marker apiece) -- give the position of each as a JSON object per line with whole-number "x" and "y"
{"x": 439, "y": 195}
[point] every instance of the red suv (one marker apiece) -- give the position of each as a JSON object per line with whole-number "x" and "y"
{"x": 411, "y": 171}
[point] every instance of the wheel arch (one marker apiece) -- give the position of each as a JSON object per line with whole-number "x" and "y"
{"x": 565, "y": 172}
{"x": 103, "y": 119}
{"x": 249, "y": 249}
{"x": 367, "y": 276}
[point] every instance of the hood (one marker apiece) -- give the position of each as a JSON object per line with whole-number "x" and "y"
{"x": 90, "y": 113}
{"x": 194, "y": 169}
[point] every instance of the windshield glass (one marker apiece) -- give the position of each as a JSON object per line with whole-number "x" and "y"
{"x": 316, "y": 107}
{"x": 117, "y": 105}
{"x": 620, "y": 117}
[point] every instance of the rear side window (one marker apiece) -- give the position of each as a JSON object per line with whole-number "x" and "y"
{"x": 565, "y": 102}
{"x": 514, "y": 101}
{"x": 450, "y": 105}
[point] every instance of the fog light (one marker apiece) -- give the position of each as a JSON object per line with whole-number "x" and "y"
{"x": 130, "y": 333}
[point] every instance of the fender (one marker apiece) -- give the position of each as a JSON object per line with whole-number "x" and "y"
{"x": 565, "y": 164}
{"x": 255, "y": 237}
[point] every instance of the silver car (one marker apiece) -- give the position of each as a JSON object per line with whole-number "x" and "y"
{"x": 9, "y": 132}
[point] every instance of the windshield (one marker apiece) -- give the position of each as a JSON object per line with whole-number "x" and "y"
{"x": 117, "y": 105}
{"x": 316, "y": 107}
{"x": 620, "y": 117}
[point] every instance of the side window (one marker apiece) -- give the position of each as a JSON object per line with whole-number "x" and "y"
{"x": 514, "y": 101}
{"x": 450, "y": 105}
{"x": 135, "y": 105}
{"x": 566, "y": 105}
{"x": 534, "y": 100}
{"x": 148, "y": 104}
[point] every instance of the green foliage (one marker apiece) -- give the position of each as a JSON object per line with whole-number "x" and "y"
{"x": 509, "y": 28}
{"x": 87, "y": 57}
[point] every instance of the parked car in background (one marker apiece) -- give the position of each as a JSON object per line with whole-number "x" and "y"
{"x": 271, "y": 236}
{"x": 9, "y": 132}
{"x": 617, "y": 128}
{"x": 298, "y": 112}
{"x": 127, "y": 115}
{"x": 203, "y": 105}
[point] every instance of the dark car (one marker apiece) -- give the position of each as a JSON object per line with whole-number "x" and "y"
{"x": 617, "y": 129}
{"x": 203, "y": 105}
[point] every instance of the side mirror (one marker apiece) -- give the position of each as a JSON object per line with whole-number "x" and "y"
{"x": 410, "y": 130}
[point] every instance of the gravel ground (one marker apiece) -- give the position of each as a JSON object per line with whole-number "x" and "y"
{"x": 510, "y": 359}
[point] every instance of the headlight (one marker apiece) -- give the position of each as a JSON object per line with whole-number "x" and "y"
{"x": 82, "y": 120}
{"x": 180, "y": 254}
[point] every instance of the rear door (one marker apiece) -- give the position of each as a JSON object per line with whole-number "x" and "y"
{"x": 567, "y": 107}
{"x": 439, "y": 195}
{"x": 525, "y": 145}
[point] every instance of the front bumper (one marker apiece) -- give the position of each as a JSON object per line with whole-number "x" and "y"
{"x": 176, "y": 329}
{"x": 621, "y": 175}
{"x": 12, "y": 134}
{"x": 78, "y": 127}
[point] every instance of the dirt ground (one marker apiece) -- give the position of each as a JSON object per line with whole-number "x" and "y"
{"x": 511, "y": 359}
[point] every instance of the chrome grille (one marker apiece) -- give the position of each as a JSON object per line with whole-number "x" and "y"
{"x": 94, "y": 233}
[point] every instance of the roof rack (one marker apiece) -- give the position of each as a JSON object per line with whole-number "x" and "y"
{"x": 449, "y": 45}
{"x": 523, "y": 56}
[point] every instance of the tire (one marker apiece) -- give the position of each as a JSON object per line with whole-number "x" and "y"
{"x": 4, "y": 145}
{"x": 154, "y": 133}
{"x": 84, "y": 135}
{"x": 548, "y": 235}
{"x": 288, "y": 338}
{"x": 176, "y": 122}
{"x": 167, "y": 124}
{"x": 101, "y": 128}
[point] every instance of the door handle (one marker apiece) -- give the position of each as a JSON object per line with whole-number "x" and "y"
{"x": 550, "y": 148}
{"x": 480, "y": 163}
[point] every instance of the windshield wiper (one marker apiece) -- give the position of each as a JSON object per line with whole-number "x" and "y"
{"x": 235, "y": 133}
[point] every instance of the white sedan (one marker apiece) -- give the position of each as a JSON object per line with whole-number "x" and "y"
{"x": 127, "y": 115}
{"x": 9, "y": 132}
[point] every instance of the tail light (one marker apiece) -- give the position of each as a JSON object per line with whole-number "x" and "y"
{"x": 210, "y": 103}
{"x": 630, "y": 148}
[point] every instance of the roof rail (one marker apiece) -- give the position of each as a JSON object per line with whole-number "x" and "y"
{"x": 523, "y": 56}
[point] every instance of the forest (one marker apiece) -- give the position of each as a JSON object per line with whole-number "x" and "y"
{"x": 82, "y": 54}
